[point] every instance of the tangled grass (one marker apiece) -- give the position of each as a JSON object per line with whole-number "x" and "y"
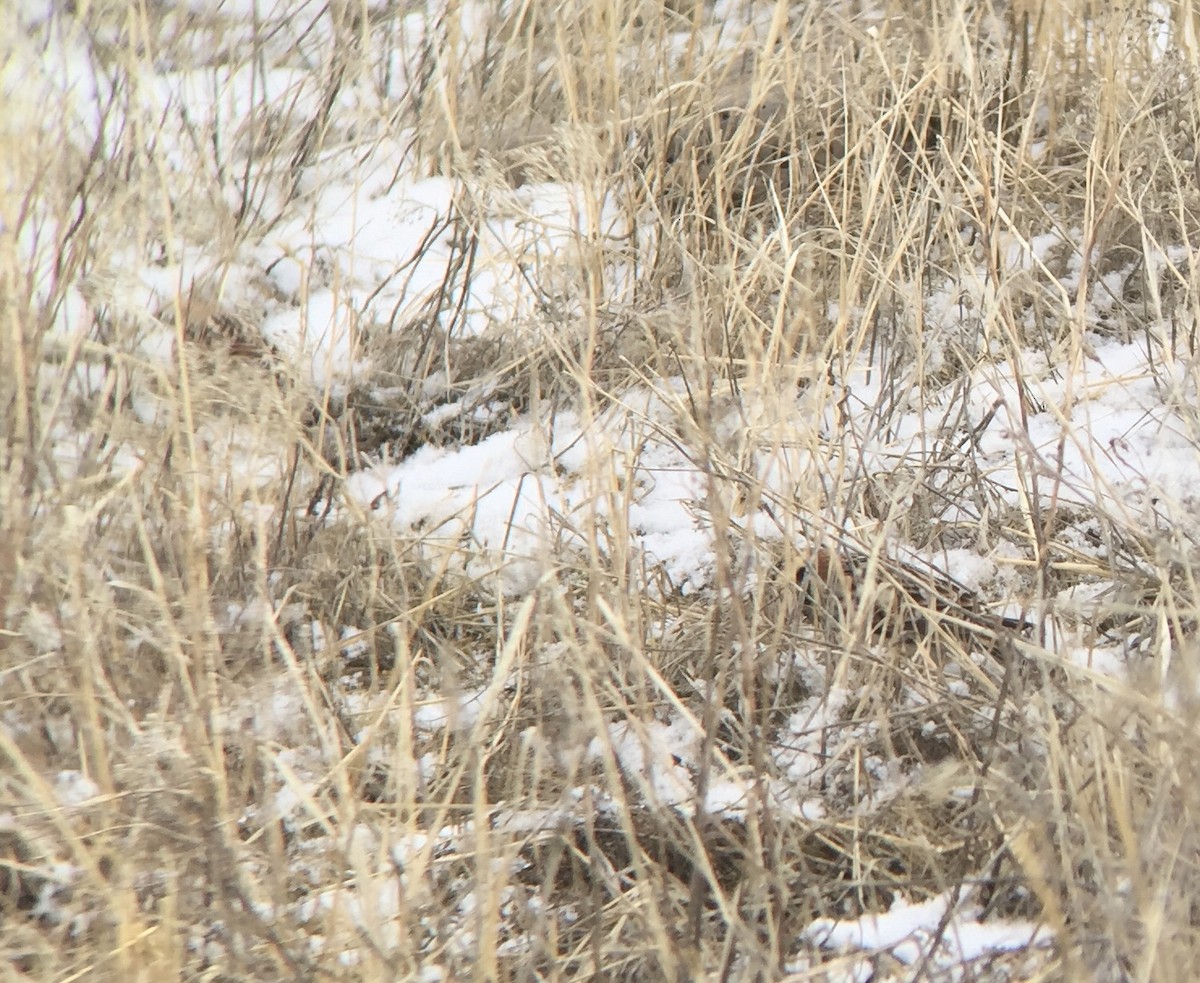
{"x": 250, "y": 731}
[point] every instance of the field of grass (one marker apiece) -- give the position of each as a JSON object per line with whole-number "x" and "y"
{"x": 620, "y": 490}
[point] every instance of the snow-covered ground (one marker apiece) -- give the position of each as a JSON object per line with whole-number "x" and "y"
{"x": 367, "y": 244}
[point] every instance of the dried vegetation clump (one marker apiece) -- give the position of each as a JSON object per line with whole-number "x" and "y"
{"x": 249, "y": 729}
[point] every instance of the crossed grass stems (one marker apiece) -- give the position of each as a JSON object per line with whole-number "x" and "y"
{"x": 851, "y": 172}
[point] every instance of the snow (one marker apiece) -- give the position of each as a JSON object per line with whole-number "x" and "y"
{"x": 939, "y": 930}
{"x": 73, "y": 788}
{"x": 458, "y": 713}
{"x": 320, "y": 336}
{"x": 805, "y": 751}
{"x": 371, "y": 242}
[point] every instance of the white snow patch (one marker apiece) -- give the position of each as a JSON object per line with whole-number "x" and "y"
{"x": 913, "y": 931}
{"x": 73, "y": 788}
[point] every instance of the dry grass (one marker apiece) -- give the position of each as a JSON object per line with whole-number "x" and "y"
{"x": 245, "y": 664}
